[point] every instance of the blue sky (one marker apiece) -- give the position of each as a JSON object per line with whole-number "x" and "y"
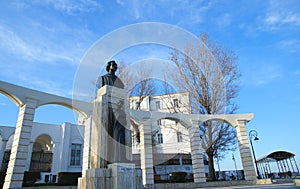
{"x": 43, "y": 41}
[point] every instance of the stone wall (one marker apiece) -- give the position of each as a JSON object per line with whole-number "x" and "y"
{"x": 200, "y": 185}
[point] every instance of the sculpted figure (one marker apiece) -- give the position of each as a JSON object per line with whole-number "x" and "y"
{"x": 110, "y": 78}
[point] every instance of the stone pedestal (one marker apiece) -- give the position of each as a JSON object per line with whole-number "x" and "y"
{"x": 110, "y": 118}
{"x": 95, "y": 178}
{"x": 108, "y": 155}
{"x": 124, "y": 175}
{"x": 116, "y": 176}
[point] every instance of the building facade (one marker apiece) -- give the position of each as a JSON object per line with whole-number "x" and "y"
{"x": 53, "y": 149}
{"x": 170, "y": 140}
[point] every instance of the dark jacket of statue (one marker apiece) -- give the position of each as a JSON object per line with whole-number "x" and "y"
{"x": 109, "y": 79}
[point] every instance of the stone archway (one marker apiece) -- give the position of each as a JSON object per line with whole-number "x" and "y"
{"x": 28, "y": 100}
{"x": 191, "y": 121}
{"x": 42, "y": 154}
{"x": 217, "y": 135}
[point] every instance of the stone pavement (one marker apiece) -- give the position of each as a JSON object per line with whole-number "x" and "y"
{"x": 52, "y": 187}
{"x": 278, "y": 186}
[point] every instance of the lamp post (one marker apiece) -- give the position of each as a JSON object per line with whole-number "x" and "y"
{"x": 236, "y": 172}
{"x": 253, "y": 136}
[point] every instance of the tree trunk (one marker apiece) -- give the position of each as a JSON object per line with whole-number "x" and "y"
{"x": 211, "y": 166}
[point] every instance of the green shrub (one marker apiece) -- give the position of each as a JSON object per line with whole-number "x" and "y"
{"x": 178, "y": 176}
{"x": 30, "y": 178}
{"x": 68, "y": 178}
{"x": 2, "y": 178}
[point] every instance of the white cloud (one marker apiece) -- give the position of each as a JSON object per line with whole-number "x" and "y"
{"x": 13, "y": 43}
{"x": 224, "y": 20}
{"x": 266, "y": 74}
{"x": 120, "y": 2}
{"x": 290, "y": 45}
{"x": 280, "y": 15}
{"x": 48, "y": 86}
{"x": 71, "y": 7}
{"x": 275, "y": 21}
{"x": 183, "y": 12}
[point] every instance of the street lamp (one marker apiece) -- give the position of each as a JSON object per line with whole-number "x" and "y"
{"x": 253, "y": 136}
{"x": 236, "y": 172}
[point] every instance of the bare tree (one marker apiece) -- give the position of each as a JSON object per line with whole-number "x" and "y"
{"x": 143, "y": 89}
{"x": 210, "y": 73}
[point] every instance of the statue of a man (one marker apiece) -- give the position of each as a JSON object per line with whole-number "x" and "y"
{"x": 116, "y": 117}
{"x": 110, "y": 78}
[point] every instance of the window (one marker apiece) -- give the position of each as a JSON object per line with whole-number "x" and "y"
{"x": 157, "y": 104}
{"x": 159, "y": 122}
{"x": 136, "y": 105}
{"x": 159, "y": 138}
{"x": 75, "y": 155}
{"x": 179, "y": 137}
{"x": 175, "y": 102}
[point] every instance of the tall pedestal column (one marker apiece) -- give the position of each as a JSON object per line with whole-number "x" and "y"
{"x": 196, "y": 153}
{"x": 19, "y": 151}
{"x": 107, "y": 153}
{"x": 106, "y": 137}
{"x": 146, "y": 153}
{"x": 245, "y": 152}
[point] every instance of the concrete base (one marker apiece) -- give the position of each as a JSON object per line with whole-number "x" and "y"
{"x": 116, "y": 176}
{"x": 297, "y": 182}
{"x": 264, "y": 181}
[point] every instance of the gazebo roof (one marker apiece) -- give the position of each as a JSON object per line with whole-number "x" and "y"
{"x": 277, "y": 156}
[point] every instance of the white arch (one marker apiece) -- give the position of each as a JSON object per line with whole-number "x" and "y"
{"x": 19, "y": 96}
{"x": 186, "y": 119}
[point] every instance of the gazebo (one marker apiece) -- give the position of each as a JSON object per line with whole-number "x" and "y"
{"x": 286, "y": 165}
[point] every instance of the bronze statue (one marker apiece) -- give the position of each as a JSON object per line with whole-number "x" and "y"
{"x": 110, "y": 78}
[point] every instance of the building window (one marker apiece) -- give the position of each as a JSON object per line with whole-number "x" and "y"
{"x": 175, "y": 102}
{"x": 159, "y": 122}
{"x": 157, "y": 104}
{"x": 159, "y": 138}
{"x": 136, "y": 105}
{"x": 179, "y": 137}
{"x": 75, "y": 155}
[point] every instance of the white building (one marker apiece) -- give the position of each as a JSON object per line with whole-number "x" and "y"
{"x": 171, "y": 143}
{"x": 53, "y": 149}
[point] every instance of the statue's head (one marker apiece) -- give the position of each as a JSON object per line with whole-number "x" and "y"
{"x": 111, "y": 65}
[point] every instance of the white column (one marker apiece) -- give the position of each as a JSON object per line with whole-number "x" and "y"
{"x": 55, "y": 158}
{"x": 196, "y": 152}
{"x": 3, "y": 147}
{"x": 86, "y": 147}
{"x": 19, "y": 151}
{"x": 146, "y": 153}
{"x": 65, "y": 146}
{"x": 245, "y": 152}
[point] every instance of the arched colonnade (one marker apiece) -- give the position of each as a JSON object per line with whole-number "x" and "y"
{"x": 191, "y": 122}
{"x": 28, "y": 100}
